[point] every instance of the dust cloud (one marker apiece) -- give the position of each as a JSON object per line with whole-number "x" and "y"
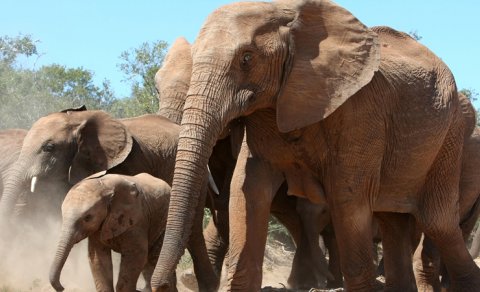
{"x": 28, "y": 249}
{"x": 27, "y": 253}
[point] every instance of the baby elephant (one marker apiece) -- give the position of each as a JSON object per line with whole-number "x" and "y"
{"x": 126, "y": 214}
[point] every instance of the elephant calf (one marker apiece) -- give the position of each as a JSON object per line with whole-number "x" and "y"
{"x": 126, "y": 214}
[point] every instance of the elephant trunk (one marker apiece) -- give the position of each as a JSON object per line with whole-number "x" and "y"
{"x": 63, "y": 250}
{"x": 14, "y": 185}
{"x": 198, "y": 135}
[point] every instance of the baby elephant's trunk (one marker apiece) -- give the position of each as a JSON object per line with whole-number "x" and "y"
{"x": 63, "y": 250}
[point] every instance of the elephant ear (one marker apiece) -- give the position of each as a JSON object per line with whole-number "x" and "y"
{"x": 75, "y": 109}
{"x": 103, "y": 143}
{"x": 124, "y": 211}
{"x": 332, "y": 55}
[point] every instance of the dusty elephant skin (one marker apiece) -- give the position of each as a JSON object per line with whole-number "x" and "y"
{"x": 369, "y": 114}
{"x": 68, "y": 146}
{"x": 65, "y": 147}
{"x": 309, "y": 267}
{"x": 427, "y": 262}
{"x": 126, "y": 214}
{"x": 10, "y": 145}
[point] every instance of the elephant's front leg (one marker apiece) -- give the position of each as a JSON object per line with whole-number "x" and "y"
{"x": 100, "y": 259}
{"x": 131, "y": 265}
{"x": 206, "y": 278}
{"x": 396, "y": 229}
{"x": 309, "y": 263}
{"x": 253, "y": 185}
{"x": 216, "y": 239}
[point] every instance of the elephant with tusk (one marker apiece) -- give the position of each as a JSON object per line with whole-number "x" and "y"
{"x": 65, "y": 147}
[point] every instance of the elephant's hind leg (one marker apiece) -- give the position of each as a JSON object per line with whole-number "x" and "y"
{"x": 438, "y": 214}
{"x": 253, "y": 186}
{"x": 397, "y": 251}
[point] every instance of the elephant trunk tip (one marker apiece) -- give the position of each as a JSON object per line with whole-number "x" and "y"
{"x": 55, "y": 282}
{"x": 57, "y": 286}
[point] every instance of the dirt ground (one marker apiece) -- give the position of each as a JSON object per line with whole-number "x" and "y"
{"x": 276, "y": 269}
{"x": 25, "y": 268}
{"x": 24, "y": 265}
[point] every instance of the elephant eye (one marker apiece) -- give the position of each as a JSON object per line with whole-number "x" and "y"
{"x": 88, "y": 218}
{"x": 48, "y": 147}
{"x": 246, "y": 59}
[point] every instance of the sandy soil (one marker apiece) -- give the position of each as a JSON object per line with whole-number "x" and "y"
{"x": 25, "y": 267}
{"x": 25, "y": 263}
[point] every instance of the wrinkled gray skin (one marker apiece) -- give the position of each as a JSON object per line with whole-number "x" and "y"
{"x": 370, "y": 115}
{"x": 10, "y": 145}
{"x": 310, "y": 268}
{"x": 65, "y": 147}
{"x": 126, "y": 214}
{"x": 427, "y": 260}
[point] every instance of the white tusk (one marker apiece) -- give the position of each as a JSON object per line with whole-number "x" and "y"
{"x": 69, "y": 173}
{"x": 33, "y": 184}
{"x": 212, "y": 183}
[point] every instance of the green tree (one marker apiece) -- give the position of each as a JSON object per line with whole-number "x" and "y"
{"x": 473, "y": 95}
{"x": 139, "y": 66}
{"x": 75, "y": 86}
{"x": 27, "y": 94}
{"x": 415, "y": 35}
{"x": 11, "y": 48}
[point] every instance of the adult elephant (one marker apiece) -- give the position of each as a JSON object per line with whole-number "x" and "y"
{"x": 310, "y": 267}
{"x": 68, "y": 146}
{"x": 370, "y": 115}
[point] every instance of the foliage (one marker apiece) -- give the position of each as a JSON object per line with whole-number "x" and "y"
{"x": 473, "y": 95}
{"x": 278, "y": 232}
{"x": 415, "y": 35}
{"x": 207, "y": 216}
{"x": 10, "y": 48}
{"x": 140, "y": 65}
{"x": 27, "y": 94}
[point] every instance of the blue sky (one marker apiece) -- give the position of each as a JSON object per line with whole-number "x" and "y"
{"x": 93, "y": 33}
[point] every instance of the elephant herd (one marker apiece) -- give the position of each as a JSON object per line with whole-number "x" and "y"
{"x": 290, "y": 108}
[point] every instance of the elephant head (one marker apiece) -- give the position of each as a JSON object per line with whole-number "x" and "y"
{"x": 66, "y": 147}
{"x": 104, "y": 205}
{"x": 303, "y": 59}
